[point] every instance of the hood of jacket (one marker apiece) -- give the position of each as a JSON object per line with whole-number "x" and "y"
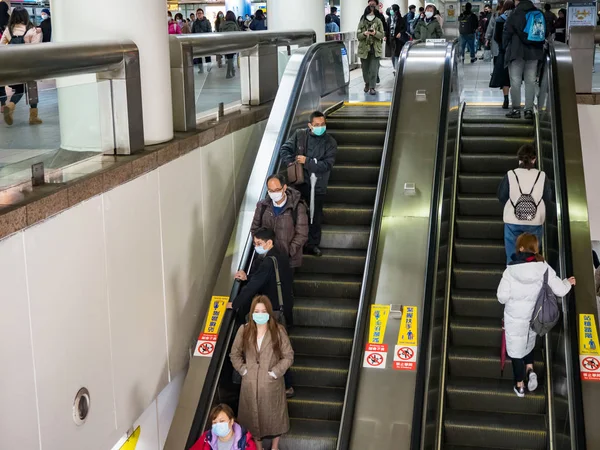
{"x": 293, "y": 198}
{"x": 229, "y": 26}
{"x": 527, "y": 272}
{"x": 525, "y": 5}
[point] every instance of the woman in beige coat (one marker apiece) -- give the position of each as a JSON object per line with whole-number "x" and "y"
{"x": 262, "y": 353}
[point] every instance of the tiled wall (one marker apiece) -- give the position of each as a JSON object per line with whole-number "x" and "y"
{"x": 105, "y": 295}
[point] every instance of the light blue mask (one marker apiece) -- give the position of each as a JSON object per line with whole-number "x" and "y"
{"x": 260, "y": 250}
{"x": 221, "y": 429}
{"x": 260, "y": 318}
{"x": 319, "y": 131}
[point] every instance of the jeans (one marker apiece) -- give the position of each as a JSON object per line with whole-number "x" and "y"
{"x": 314, "y": 229}
{"x": 19, "y": 91}
{"x": 512, "y": 232}
{"x": 519, "y": 367}
{"x": 467, "y": 40}
{"x": 370, "y": 69}
{"x": 519, "y": 69}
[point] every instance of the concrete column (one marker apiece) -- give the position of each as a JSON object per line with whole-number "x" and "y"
{"x": 404, "y": 7}
{"x": 305, "y": 14}
{"x": 352, "y": 11}
{"x": 80, "y": 105}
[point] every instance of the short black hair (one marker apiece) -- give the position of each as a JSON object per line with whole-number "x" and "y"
{"x": 179, "y": 15}
{"x": 468, "y": 6}
{"x": 412, "y": 7}
{"x": 279, "y": 177}
{"x": 547, "y": 6}
{"x": 200, "y": 9}
{"x": 421, "y": 9}
{"x": 487, "y": 5}
{"x": 333, "y": 9}
{"x": 314, "y": 115}
{"x": 265, "y": 234}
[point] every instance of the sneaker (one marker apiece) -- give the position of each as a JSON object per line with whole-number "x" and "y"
{"x": 532, "y": 384}
{"x": 372, "y": 91}
{"x": 528, "y": 114}
{"x": 366, "y": 87}
{"x": 514, "y": 114}
{"x": 520, "y": 391}
{"x": 290, "y": 393}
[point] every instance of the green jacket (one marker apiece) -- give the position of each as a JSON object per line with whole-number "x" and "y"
{"x": 365, "y": 42}
{"x": 229, "y": 26}
{"x": 431, "y": 30}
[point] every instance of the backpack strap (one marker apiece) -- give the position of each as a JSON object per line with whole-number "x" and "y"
{"x": 519, "y": 183}
{"x": 535, "y": 182}
{"x": 302, "y": 141}
{"x": 279, "y": 294}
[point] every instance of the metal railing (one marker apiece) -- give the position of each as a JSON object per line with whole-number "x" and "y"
{"x": 258, "y": 66}
{"x": 117, "y": 61}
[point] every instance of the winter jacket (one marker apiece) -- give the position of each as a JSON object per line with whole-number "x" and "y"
{"x": 209, "y": 441}
{"x": 202, "y": 26}
{"x": 550, "y": 20}
{"x": 428, "y": 29}
{"x": 518, "y": 291}
{"x": 31, "y": 36}
{"x": 489, "y": 35}
{"x": 509, "y": 191}
{"x": 46, "y": 27}
{"x": 229, "y": 26}
{"x": 4, "y": 15}
{"x": 514, "y": 38}
{"x": 365, "y": 43}
{"x": 332, "y": 27}
{"x": 394, "y": 42}
{"x": 174, "y": 28}
{"x": 263, "y": 405}
{"x": 320, "y": 153}
{"x": 560, "y": 28}
{"x": 471, "y": 25}
{"x": 409, "y": 19}
{"x": 335, "y": 18}
{"x": 498, "y": 31}
{"x": 290, "y": 234}
{"x": 262, "y": 280}
{"x": 258, "y": 25}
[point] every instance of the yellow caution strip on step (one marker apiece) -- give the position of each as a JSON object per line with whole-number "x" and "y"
{"x": 132, "y": 440}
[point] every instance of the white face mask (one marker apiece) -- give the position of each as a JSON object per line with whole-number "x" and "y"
{"x": 276, "y": 196}
{"x": 429, "y": 14}
{"x": 44, "y": 16}
{"x": 371, "y": 17}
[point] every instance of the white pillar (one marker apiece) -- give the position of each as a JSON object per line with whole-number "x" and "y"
{"x": 404, "y": 7}
{"x": 352, "y": 11}
{"x": 150, "y": 35}
{"x": 305, "y": 14}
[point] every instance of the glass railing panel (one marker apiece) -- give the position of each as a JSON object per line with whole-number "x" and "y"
{"x": 215, "y": 83}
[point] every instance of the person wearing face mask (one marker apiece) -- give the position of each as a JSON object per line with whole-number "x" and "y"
{"x": 173, "y": 27}
{"x": 46, "y": 25}
{"x": 185, "y": 27}
{"x": 428, "y": 28}
{"x": 225, "y": 433}
{"x": 262, "y": 354}
{"x": 370, "y": 35}
{"x": 202, "y": 25}
{"x": 315, "y": 150}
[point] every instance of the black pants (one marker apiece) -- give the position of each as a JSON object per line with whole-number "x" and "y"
{"x": 314, "y": 229}
{"x": 519, "y": 367}
{"x": 19, "y": 91}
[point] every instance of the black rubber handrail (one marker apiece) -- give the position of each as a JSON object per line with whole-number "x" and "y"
{"x": 228, "y": 324}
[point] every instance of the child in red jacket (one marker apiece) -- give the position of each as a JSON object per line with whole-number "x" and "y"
{"x": 225, "y": 430}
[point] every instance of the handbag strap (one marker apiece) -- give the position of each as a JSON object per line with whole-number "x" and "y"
{"x": 279, "y": 294}
{"x": 304, "y": 142}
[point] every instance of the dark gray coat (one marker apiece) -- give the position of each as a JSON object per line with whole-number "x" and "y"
{"x": 514, "y": 38}
{"x": 202, "y": 26}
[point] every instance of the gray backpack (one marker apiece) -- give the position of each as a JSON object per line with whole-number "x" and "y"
{"x": 546, "y": 312}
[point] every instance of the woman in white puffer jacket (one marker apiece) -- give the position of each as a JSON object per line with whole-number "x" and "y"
{"x": 518, "y": 291}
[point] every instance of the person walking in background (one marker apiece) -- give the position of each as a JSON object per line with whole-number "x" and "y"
{"x": 330, "y": 25}
{"x": 183, "y": 25}
{"x": 241, "y": 24}
{"x": 174, "y": 28}
{"x": 518, "y": 292}
{"x": 224, "y": 433}
{"x": 202, "y": 25}
{"x": 467, "y": 26}
{"x": 550, "y": 19}
{"x": 229, "y": 25}
{"x": 46, "y": 25}
{"x": 398, "y": 35}
{"x": 428, "y": 28}
{"x": 409, "y": 18}
{"x": 262, "y": 354}
{"x": 334, "y": 17}
{"x": 500, "y": 76}
{"x": 218, "y": 23}
{"x": 524, "y": 193}
{"x": 560, "y": 26}
{"x": 490, "y": 43}
{"x": 370, "y": 36}
{"x": 258, "y": 23}
{"x": 438, "y": 16}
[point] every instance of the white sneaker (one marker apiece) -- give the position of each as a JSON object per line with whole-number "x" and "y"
{"x": 520, "y": 391}
{"x": 532, "y": 384}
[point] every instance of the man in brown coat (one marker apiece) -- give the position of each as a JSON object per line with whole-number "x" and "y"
{"x": 285, "y": 213}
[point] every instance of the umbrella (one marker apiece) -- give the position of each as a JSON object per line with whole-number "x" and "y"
{"x": 502, "y": 350}
{"x": 313, "y": 183}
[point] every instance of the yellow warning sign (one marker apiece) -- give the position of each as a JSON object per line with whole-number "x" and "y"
{"x": 588, "y": 335}
{"x": 132, "y": 440}
{"x": 215, "y": 314}
{"x": 408, "y": 334}
{"x": 379, "y": 318}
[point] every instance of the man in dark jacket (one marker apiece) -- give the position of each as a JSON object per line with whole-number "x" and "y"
{"x": 467, "y": 26}
{"x": 318, "y": 161}
{"x": 285, "y": 212}
{"x": 334, "y": 16}
{"x": 46, "y": 25}
{"x": 202, "y": 25}
{"x": 410, "y": 18}
{"x": 550, "y": 18}
{"x": 522, "y": 56}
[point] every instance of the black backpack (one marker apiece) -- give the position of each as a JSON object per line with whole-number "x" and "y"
{"x": 241, "y": 442}
{"x": 19, "y": 39}
{"x": 526, "y": 208}
{"x": 546, "y": 312}
{"x": 464, "y": 24}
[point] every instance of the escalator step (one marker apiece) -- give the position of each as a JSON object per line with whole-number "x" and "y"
{"x": 479, "y": 205}
{"x": 347, "y": 214}
{"x": 320, "y": 371}
{"x": 322, "y": 341}
{"x": 488, "y": 116}
{"x": 345, "y": 237}
{"x": 479, "y": 251}
{"x": 479, "y": 394}
{"x": 354, "y": 123}
{"x": 479, "y": 183}
{"x": 500, "y": 164}
{"x": 480, "y": 331}
{"x": 461, "y": 447}
{"x": 484, "y": 130}
{"x": 359, "y": 137}
{"x": 351, "y": 193}
{"x": 480, "y": 227}
{"x": 505, "y": 431}
{"x": 355, "y": 173}
{"x": 311, "y": 435}
{"x": 352, "y": 154}
{"x": 327, "y": 285}
{"x": 335, "y": 261}
{"x": 325, "y": 312}
{"x": 503, "y": 144}
{"x": 484, "y": 362}
{"x": 317, "y": 403}
{"x": 478, "y": 276}
{"x": 469, "y": 303}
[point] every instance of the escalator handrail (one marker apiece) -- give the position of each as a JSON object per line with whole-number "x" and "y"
{"x": 228, "y": 324}
{"x": 576, "y": 410}
{"x": 362, "y": 317}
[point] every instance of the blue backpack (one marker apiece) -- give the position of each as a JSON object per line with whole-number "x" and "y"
{"x": 535, "y": 29}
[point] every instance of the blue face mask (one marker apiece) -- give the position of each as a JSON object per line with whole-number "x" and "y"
{"x": 260, "y": 318}
{"x": 260, "y": 250}
{"x": 319, "y": 131}
{"x": 221, "y": 429}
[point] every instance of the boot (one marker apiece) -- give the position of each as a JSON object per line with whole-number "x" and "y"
{"x": 505, "y": 104}
{"x": 33, "y": 117}
{"x": 9, "y": 109}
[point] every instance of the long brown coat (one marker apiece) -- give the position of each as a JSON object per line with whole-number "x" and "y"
{"x": 263, "y": 405}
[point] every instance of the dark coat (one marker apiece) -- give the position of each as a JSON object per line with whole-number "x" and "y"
{"x": 46, "y": 27}
{"x": 202, "y": 26}
{"x": 258, "y": 25}
{"x": 320, "y": 156}
{"x": 336, "y": 19}
{"x": 393, "y": 42}
{"x": 228, "y": 26}
{"x": 262, "y": 281}
{"x": 289, "y": 238}
{"x": 4, "y": 15}
{"x": 473, "y": 22}
{"x": 431, "y": 29}
{"x": 514, "y": 38}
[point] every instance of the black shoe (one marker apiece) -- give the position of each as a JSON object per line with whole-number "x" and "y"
{"x": 228, "y": 76}
{"x": 317, "y": 251}
{"x": 372, "y": 92}
{"x": 505, "y": 104}
{"x": 473, "y": 60}
{"x": 528, "y": 114}
{"x": 514, "y": 114}
{"x": 378, "y": 80}
{"x": 290, "y": 393}
{"x": 366, "y": 87}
